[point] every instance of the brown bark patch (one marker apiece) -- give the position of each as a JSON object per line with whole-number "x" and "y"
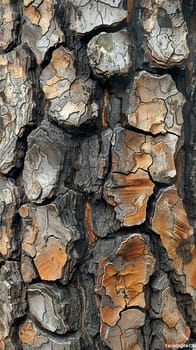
{"x": 88, "y": 222}
{"x": 51, "y": 260}
{"x": 121, "y": 279}
{"x": 129, "y": 195}
{"x": 27, "y": 334}
{"x": 170, "y": 222}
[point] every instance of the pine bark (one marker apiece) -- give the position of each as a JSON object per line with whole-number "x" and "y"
{"x": 97, "y": 174}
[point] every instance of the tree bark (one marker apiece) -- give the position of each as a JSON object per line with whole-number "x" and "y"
{"x": 97, "y": 174}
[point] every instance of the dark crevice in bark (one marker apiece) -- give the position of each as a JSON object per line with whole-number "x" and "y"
{"x": 189, "y": 10}
{"x": 104, "y": 28}
{"x": 21, "y": 152}
{"x": 14, "y": 334}
{"x": 48, "y": 55}
{"x": 80, "y": 132}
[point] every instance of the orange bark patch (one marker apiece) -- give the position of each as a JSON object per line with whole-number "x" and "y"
{"x": 4, "y": 240}
{"x": 62, "y": 67}
{"x": 2, "y": 345}
{"x": 132, "y": 151}
{"x": 143, "y": 161}
{"x": 27, "y": 334}
{"x": 87, "y": 216}
{"x": 61, "y": 60}
{"x": 104, "y": 109}
{"x": 130, "y": 5}
{"x": 24, "y": 211}
{"x": 51, "y": 259}
{"x": 129, "y": 194}
{"x": 110, "y": 315}
{"x": 170, "y": 313}
{"x": 171, "y": 223}
{"x": 133, "y": 248}
{"x": 33, "y": 14}
{"x": 172, "y": 324}
{"x": 126, "y": 333}
{"x": 123, "y": 279}
{"x": 174, "y": 320}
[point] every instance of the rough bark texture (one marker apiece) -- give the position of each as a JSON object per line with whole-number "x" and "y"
{"x": 97, "y": 174}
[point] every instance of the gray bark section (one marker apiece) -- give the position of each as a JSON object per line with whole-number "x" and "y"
{"x": 96, "y": 251}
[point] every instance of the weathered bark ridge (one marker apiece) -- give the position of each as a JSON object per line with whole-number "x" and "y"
{"x": 97, "y": 198}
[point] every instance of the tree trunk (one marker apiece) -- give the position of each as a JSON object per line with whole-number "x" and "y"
{"x": 97, "y": 174}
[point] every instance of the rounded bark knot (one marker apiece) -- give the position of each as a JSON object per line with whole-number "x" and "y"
{"x": 169, "y": 220}
{"x": 70, "y": 100}
{"x": 120, "y": 285}
{"x": 48, "y": 245}
{"x": 108, "y": 54}
{"x": 166, "y": 32}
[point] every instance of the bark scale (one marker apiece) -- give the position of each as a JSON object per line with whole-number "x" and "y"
{"x": 97, "y": 174}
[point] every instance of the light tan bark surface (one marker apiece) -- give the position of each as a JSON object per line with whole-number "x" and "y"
{"x": 97, "y": 174}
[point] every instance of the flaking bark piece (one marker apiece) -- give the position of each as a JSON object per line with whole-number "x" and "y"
{"x": 10, "y": 197}
{"x": 129, "y": 195}
{"x": 12, "y": 298}
{"x": 121, "y": 278}
{"x": 163, "y": 150}
{"x": 170, "y": 222}
{"x": 128, "y": 153}
{"x": 155, "y": 104}
{"x": 93, "y": 162}
{"x": 9, "y": 17}
{"x": 33, "y": 338}
{"x": 69, "y": 99}
{"x": 57, "y": 309}
{"x": 171, "y": 328}
{"x": 87, "y": 15}
{"x": 108, "y": 54}
{"x": 40, "y": 29}
{"x": 16, "y": 106}
{"x": 49, "y": 243}
{"x": 126, "y": 334}
{"x": 166, "y": 31}
{"x": 27, "y": 269}
{"x": 49, "y": 153}
{"x": 101, "y": 219}
{"x": 132, "y": 151}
